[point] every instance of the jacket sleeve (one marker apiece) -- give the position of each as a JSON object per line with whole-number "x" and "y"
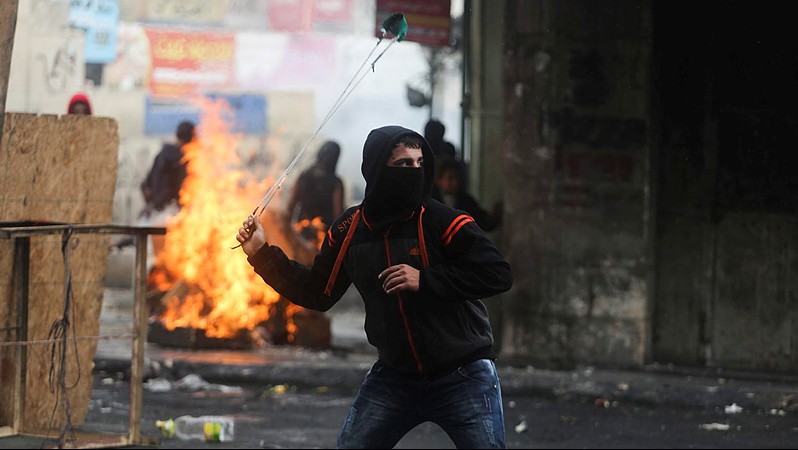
{"x": 484, "y": 219}
{"x": 298, "y": 283}
{"x": 471, "y": 268}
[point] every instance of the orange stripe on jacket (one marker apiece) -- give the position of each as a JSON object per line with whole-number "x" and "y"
{"x": 461, "y": 225}
{"x": 454, "y": 223}
{"x": 421, "y": 241}
{"x": 342, "y": 253}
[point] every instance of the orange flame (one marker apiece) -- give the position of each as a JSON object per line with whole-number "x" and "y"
{"x": 316, "y": 227}
{"x": 225, "y": 294}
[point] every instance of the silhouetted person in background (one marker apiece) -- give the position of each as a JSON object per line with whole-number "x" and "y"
{"x": 434, "y": 131}
{"x": 161, "y": 187}
{"x": 318, "y": 192}
{"x": 449, "y": 189}
{"x": 79, "y": 104}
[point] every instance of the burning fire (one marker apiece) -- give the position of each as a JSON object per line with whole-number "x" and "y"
{"x": 224, "y": 295}
{"x": 316, "y": 228}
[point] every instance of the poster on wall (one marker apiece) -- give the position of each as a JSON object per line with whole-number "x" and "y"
{"x": 302, "y": 16}
{"x": 294, "y": 61}
{"x": 194, "y": 12}
{"x": 185, "y": 63}
{"x": 99, "y": 20}
{"x": 245, "y": 113}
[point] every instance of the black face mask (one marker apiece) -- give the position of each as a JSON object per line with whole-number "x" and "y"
{"x": 398, "y": 192}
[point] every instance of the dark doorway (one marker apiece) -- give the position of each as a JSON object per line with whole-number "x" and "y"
{"x": 726, "y": 292}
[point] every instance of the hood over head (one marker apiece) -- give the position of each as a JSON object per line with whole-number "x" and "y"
{"x": 378, "y": 148}
{"x": 327, "y": 157}
{"x": 434, "y": 130}
{"x": 79, "y": 98}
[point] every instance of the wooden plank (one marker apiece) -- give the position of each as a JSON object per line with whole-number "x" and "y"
{"x": 58, "y": 169}
{"x": 140, "y": 324}
{"x": 7, "y": 302}
{"x": 21, "y": 283}
{"x": 8, "y": 333}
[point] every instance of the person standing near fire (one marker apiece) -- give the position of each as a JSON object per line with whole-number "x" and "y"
{"x": 422, "y": 269}
{"x": 161, "y": 186}
{"x": 318, "y": 193}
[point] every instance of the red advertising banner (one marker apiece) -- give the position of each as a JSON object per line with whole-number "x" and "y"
{"x": 188, "y": 63}
{"x": 428, "y": 21}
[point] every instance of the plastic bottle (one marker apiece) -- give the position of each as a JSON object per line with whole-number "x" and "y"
{"x": 203, "y": 428}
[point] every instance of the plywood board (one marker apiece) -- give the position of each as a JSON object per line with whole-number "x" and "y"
{"x": 56, "y": 169}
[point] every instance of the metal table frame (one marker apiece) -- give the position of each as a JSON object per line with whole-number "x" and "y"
{"x": 21, "y": 233}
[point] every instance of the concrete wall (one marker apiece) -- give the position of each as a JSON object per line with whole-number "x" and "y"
{"x": 575, "y": 162}
{"x": 483, "y": 118}
{"x": 650, "y": 201}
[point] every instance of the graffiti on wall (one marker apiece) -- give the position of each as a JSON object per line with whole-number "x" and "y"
{"x": 59, "y": 65}
{"x": 599, "y": 161}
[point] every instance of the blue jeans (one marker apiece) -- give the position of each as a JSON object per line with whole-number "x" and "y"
{"x": 466, "y": 403}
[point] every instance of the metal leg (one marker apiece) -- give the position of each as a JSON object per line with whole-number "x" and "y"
{"x": 140, "y": 327}
{"x": 21, "y": 278}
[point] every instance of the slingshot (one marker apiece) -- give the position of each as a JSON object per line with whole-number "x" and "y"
{"x": 396, "y": 24}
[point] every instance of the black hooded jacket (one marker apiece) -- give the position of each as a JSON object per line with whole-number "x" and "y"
{"x": 165, "y": 177}
{"x": 427, "y": 333}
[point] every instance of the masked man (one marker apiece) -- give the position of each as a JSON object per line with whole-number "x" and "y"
{"x": 422, "y": 269}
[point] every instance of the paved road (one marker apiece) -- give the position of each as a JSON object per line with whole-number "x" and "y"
{"x": 267, "y": 417}
{"x": 543, "y": 408}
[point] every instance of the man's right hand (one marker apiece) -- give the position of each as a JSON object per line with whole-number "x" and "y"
{"x": 252, "y": 236}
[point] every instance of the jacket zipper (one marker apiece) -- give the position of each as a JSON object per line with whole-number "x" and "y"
{"x": 404, "y": 316}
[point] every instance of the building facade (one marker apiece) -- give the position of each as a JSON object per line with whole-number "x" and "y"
{"x": 640, "y": 149}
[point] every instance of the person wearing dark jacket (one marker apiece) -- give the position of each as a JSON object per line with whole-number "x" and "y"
{"x": 422, "y": 269}
{"x": 161, "y": 187}
{"x": 318, "y": 193}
